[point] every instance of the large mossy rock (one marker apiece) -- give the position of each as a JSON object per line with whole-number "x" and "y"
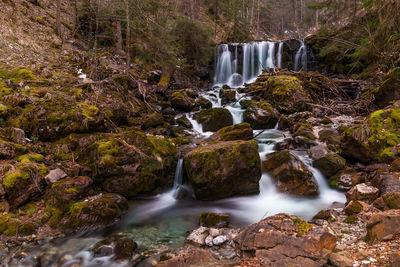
{"x": 181, "y": 101}
{"x": 224, "y": 169}
{"x": 326, "y": 161}
{"x": 241, "y": 131}
{"x": 97, "y": 210}
{"x": 24, "y": 182}
{"x": 389, "y": 90}
{"x": 214, "y": 119}
{"x": 286, "y": 93}
{"x": 131, "y": 164}
{"x": 261, "y": 115}
{"x": 227, "y": 96}
{"x": 376, "y": 139}
{"x": 290, "y": 174}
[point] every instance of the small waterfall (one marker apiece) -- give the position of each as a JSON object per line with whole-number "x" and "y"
{"x": 301, "y": 57}
{"x": 279, "y": 56}
{"x": 271, "y": 55}
{"x": 224, "y": 66}
{"x": 178, "y": 180}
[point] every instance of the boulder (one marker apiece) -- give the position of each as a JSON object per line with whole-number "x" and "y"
{"x": 198, "y": 236}
{"x": 389, "y": 89}
{"x": 327, "y": 162}
{"x": 203, "y": 102}
{"x": 153, "y": 120}
{"x": 387, "y": 182}
{"x": 214, "y": 119}
{"x": 210, "y": 219}
{"x": 261, "y": 115}
{"x": 23, "y": 183}
{"x": 383, "y": 225}
{"x": 119, "y": 247}
{"x": 286, "y": 93}
{"x": 18, "y": 136}
{"x": 97, "y": 210}
{"x": 241, "y": 131}
{"x": 224, "y": 169}
{"x": 55, "y": 175}
{"x": 181, "y": 101}
{"x": 227, "y": 96}
{"x": 285, "y": 240}
{"x": 354, "y": 207}
{"x": 184, "y": 122}
{"x": 363, "y": 192}
{"x": 331, "y": 137}
{"x": 290, "y": 174}
{"x": 340, "y": 259}
{"x": 388, "y": 201}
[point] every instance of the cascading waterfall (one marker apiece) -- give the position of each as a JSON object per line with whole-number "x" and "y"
{"x": 237, "y": 64}
{"x": 301, "y": 57}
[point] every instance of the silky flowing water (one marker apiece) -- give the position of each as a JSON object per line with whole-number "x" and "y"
{"x": 163, "y": 221}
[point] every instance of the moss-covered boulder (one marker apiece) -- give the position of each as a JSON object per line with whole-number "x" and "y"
{"x": 327, "y": 162}
{"x": 11, "y": 226}
{"x": 63, "y": 192}
{"x": 389, "y": 90}
{"x": 214, "y": 119}
{"x": 241, "y": 131}
{"x": 331, "y": 137}
{"x": 290, "y": 174}
{"x": 97, "y": 210}
{"x": 10, "y": 150}
{"x": 131, "y": 164}
{"x": 286, "y": 93}
{"x": 153, "y": 120}
{"x": 184, "y": 122}
{"x": 24, "y": 182}
{"x": 227, "y": 96}
{"x": 377, "y": 138}
{"x": 224, "y": 169}
{"x": 181, "y": 101}
{"x": 261, "y": 115}
{"x": 203, "y": 102}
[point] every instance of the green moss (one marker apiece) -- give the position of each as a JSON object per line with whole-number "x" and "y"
{"x": 31, "y": 157}
{"x": 210, "y": 219}
{"x": 302, "y": 226}
{"x": 29, "y": 209}
{"x": 22, "y": 74}
{"x": 89, "y": 111}
{"x": 392, "y": 200}
{"x": 10, "y": 180}
{"x": 352, "y": 219}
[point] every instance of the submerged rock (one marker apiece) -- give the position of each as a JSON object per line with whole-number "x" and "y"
{"x": 214, "y": 119}
{"x": 224, "y": 169}
{"x": 290, "y": 174}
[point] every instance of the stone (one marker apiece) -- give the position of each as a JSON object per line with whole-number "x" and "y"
{"x": 18, "y": 136}
{"x": 354, "y": 207}
{"x": 55, "y": 175}
{"x": 383, "y": 224}
{"x": 395, "y": 165}
{"x": 181, "y": 101}
{"x": 241, "y": 131}
{"x": 340, "y": 260}
{"x": 219, "y": 240}
{"x": 387, "y": 182}
{"x": 227, "y": 96}
{"x": 153, "y": 120}
{"x": 363, "y": 192}
{"x": 214, "y": 119}
{"x": 184, "y": 122}
{"x": 389, "y": 89}
{"x": 345, "y": 181}
{"x": 210, "y": 219}
{"x": 198, "y": 236}
{"x": 327, "y": 215}
{"x": 330, "y": 136}
{"x": 120, "y": 248}
{"x": 68, "y": 189}
{"x": 209, "y": 241}
{"x": 292, "y": 175}
{"x": 224, "y": 169}
{"x": 261, "y": 115}
{"x": 3, "y": 111}
{"x": 203, "y": 102}
{"x": 327, "y": 162}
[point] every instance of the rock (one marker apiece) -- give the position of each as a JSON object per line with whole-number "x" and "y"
{"x": 214, "y": 119}
{"x": 286, "y": 93}
{"x": 388, "y": 201}
{"x": 241, "y": 131}
{"x": 327, "y": 215}
{"x": 17, "y": 99}
{"x": 55, "y": 175}
{"x": 191, "y": 257}
{"x": 389, "y": 89}
{"x": 363, "y": 192}
{"x": 210, "y": 219}
{"x": 224, "y": 169}
{"x": 181, "y": 101}
{"x": 304, "y": 129}
{"x": 267, "y": 239}
{"x": 354, "y": 207}
{"x": 285, "y": 123}
{"x": 18, "y": 136}
{"x": 3, "y": 111}
{"x": 395, "y": 166}
{"x": 394, "y": 260}
{"x": 66, "y": 190}
{"x": 24, "y": 183}
{"x": 184, "y": 122}
{"x": 291, "y": 175}
{"x": 383, "y": 224}
{"x": 153, "y": 120}
{"x": 261, "y": 115}
{"x": 119, "y": 247}
{"x": 191, "y": 93}
{"x": 331, "y": 137}
{"x": 209, "y": 241}
{"x": 340, "y": 260}
{"x": 219, "y": 240}
{"x": 387, "y": 182}
{"x": 198, "y": 236}
{"x": 345, "y": 181}
{"x": 97, "y": 210}
{"x": 327, "y": 162}
{"x": 203, "y": 102}
{"x": 227, "y": 96}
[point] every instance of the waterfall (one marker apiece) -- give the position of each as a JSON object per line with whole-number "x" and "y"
{"x": 178, "y": 180}
{"x": 271, "y": 55}
{"x": 224, "y": 66}
{"x": 301, "y": 57}
{"x": 279, "y": 56}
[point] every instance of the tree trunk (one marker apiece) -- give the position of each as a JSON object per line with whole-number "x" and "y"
{"x": 118, "y": 35}
{"x": 128, "y": 34}
{"x": 58, "y": 17}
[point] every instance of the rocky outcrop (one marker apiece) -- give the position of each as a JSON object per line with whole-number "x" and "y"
{"x": 214, "y": 119}
{"x": 224, "y": 169}
{"x": 290, "y": 174}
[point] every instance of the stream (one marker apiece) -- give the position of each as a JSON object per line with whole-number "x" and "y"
{"x": 162, "y": 222}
